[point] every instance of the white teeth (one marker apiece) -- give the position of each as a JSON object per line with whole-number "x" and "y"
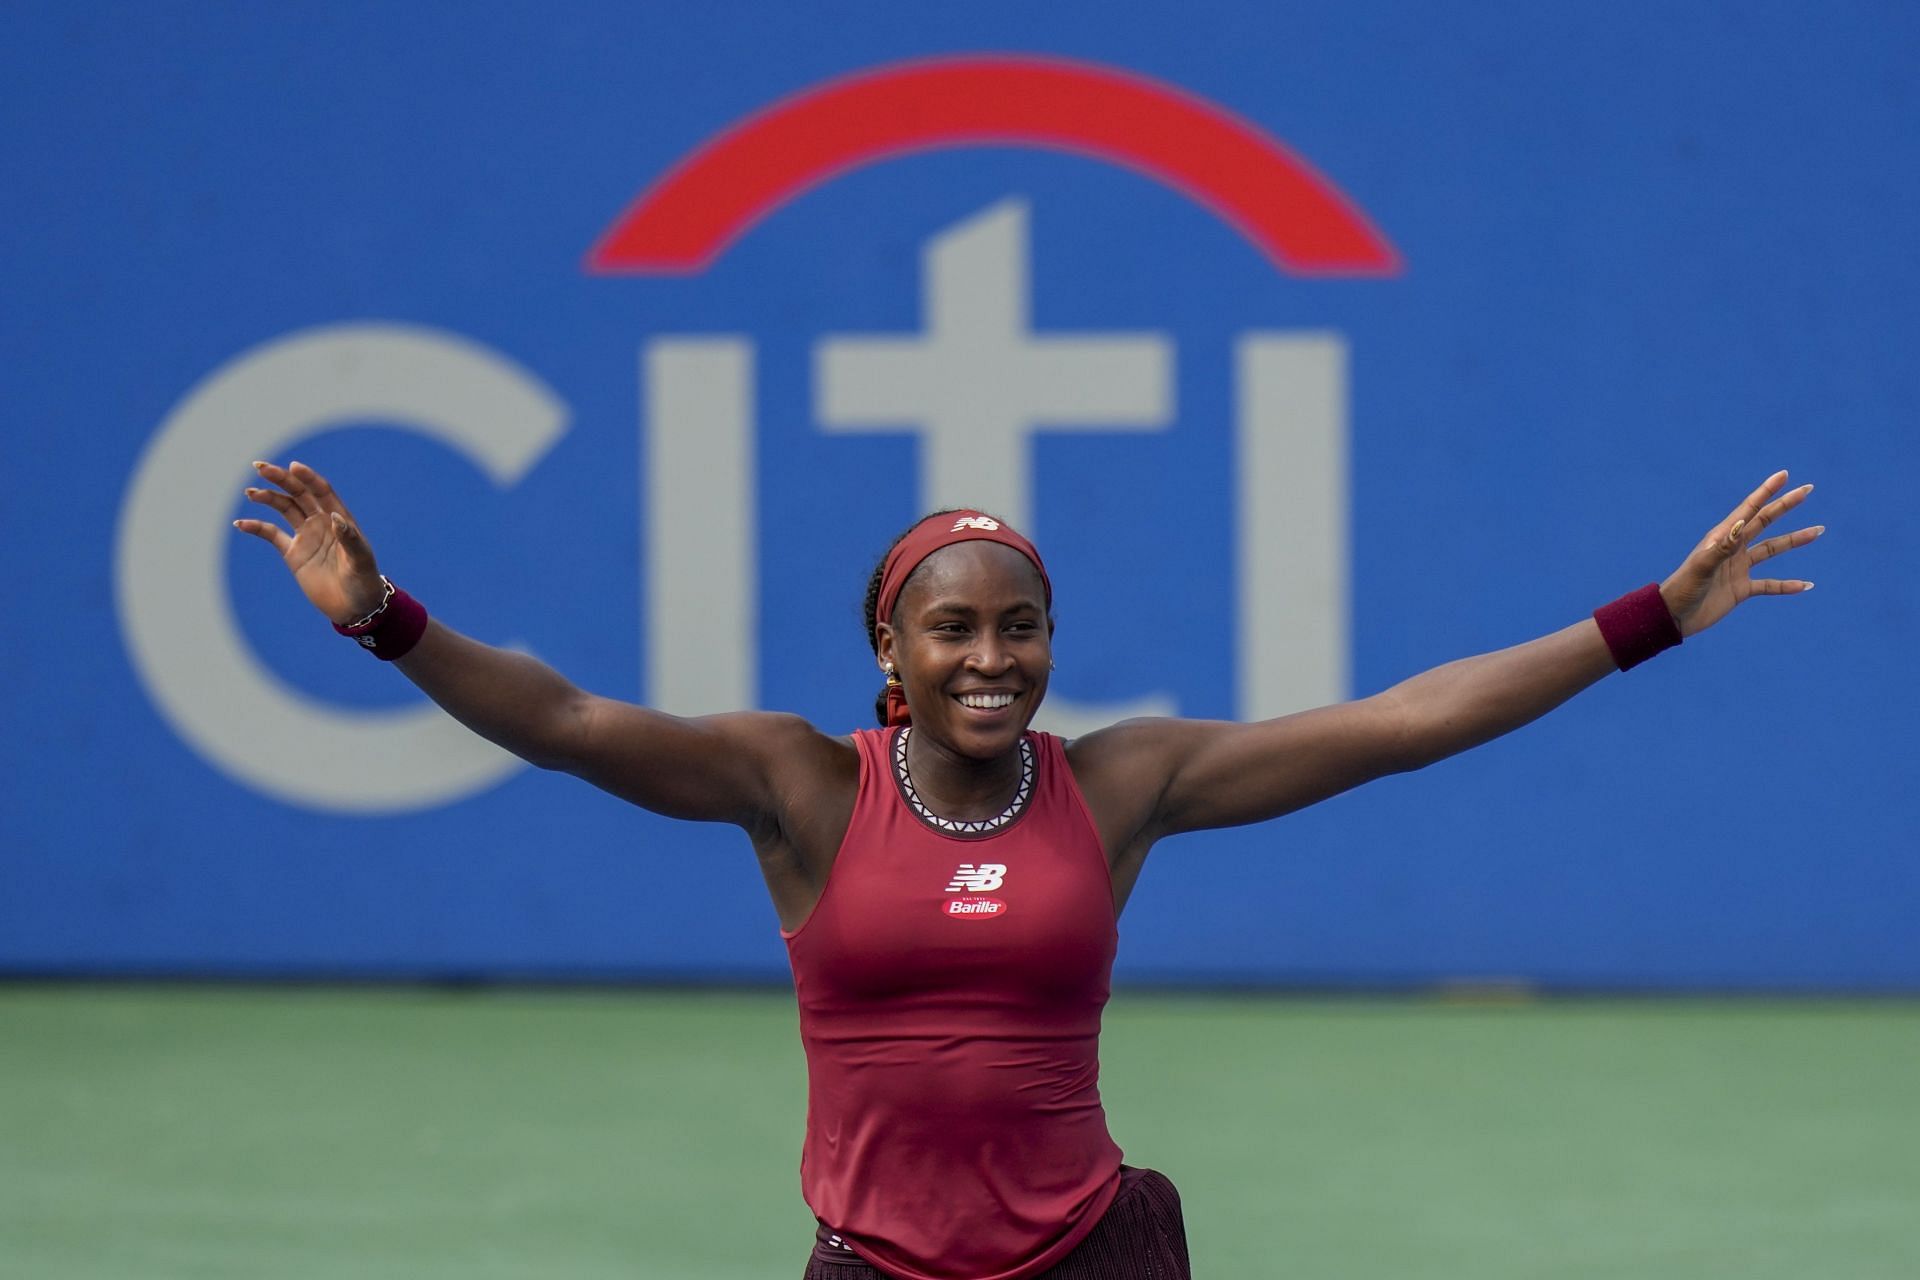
{"x": 986, "y": 701}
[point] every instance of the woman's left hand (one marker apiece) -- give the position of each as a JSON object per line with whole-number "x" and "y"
{"x": 1718, "y": 575}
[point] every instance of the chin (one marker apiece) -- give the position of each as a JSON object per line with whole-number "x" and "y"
{"x": 985, "y": 742}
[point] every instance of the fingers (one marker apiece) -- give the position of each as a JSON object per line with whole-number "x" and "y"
{"x": 308, "y": 491}
{"x": 1754, "y": 514}
{"x": 1768, "y": 514}
{"x": 290, "y": 481}
{"x": 1778, "y": 586}
{"x": 1781, "y": 505}
{"x": 1759, "y": 497}
{"x": 295, "y": 491}
{"x": 289, "y": 509}
{"x": 294, "y": 487}
{"x": 272, "y": 534}
{"x": 351, "y": 542}
{"x": 302, "y": 497}
{"x": 317, "y": 485}
{"x": 1785, "y": 542}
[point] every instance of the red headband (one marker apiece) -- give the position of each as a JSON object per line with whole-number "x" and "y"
{"x": 943, "y": 530}
{"x": 937, "y": 531}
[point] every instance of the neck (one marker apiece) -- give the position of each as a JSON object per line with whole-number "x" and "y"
{"x": 960, "y": 787}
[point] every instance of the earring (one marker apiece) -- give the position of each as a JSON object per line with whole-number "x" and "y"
{"x": 891, "y": 677}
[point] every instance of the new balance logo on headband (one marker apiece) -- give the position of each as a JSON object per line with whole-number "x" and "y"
{"x": 972, "y": 879}
{"x": 975, "y": 522}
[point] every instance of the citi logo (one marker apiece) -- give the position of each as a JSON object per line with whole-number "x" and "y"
{"x": 703, "y": 562}
{"x": 984, "y": 878}
{"x": 973, "y": 908}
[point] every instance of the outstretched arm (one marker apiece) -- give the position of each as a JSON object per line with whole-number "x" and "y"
{"x": 1187, "y": 774}
{"x": 716, "y": 768}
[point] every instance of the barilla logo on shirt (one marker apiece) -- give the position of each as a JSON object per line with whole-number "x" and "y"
{"x": 973, "y": 881}
{"x": 973, "y": 908}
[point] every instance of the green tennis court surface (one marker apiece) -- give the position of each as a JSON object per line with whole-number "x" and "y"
{"x": 255, "y": 1132}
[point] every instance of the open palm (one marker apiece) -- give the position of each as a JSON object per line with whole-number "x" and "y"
{"x": 329, "y": 559}
{"x": 1718, "y": 575}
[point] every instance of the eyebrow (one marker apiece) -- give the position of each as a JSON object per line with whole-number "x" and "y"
{"x": 959, "y": 609}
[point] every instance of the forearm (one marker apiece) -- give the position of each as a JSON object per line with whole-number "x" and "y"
{"x": 1463, "y": 704}
{"x": 510, "y": 699}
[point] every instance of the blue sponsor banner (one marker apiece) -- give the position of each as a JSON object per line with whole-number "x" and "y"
{"x": 1315, "y": 345}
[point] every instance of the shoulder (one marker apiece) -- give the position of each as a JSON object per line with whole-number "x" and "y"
{"x": 792, "y": 757}
{"x": 1123, "y": 771}
{"x": 783, "y": 738}
{"x": 1132, "y": 746}
{"x": 809, "y": 778}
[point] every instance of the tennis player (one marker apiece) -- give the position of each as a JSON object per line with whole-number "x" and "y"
{"x": 948, "y": 883}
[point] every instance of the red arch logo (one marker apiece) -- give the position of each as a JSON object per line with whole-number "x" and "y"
{"x": 1247, "y": 177}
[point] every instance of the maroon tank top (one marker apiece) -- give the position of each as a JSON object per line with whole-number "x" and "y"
{"x": 950, "y": 987}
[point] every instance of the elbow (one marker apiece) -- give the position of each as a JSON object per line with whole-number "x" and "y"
{"x": 1427, "y": 731}
{"x": 545, "y": 758}
{"x": 564, "y": 740}
{"x": 1409, "y": 743}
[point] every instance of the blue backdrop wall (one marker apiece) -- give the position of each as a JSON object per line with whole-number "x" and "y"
{"x": 1316, "y": 344}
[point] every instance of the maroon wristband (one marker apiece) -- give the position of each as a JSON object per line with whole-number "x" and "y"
{"x": 1637, "y": 626}
{"x": 393, "y": 629}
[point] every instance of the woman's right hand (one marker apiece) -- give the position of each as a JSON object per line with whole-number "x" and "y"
{"x": 328, "y": 557}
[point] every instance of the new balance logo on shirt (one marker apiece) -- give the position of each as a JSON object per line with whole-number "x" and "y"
{"x": 981, "y": 879}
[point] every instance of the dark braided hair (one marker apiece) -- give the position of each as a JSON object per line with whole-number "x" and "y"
{"x": 872, "y": 605}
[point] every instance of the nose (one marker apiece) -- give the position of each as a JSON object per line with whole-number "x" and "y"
{"x": 990, "y": 656}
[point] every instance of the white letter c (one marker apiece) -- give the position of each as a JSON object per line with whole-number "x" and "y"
{"x": 170, "y": 566}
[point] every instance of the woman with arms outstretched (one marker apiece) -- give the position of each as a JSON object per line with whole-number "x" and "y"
{"x": 948, "y": 884}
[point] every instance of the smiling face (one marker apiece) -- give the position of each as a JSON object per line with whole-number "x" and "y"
{"x": 972, "y": 643}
